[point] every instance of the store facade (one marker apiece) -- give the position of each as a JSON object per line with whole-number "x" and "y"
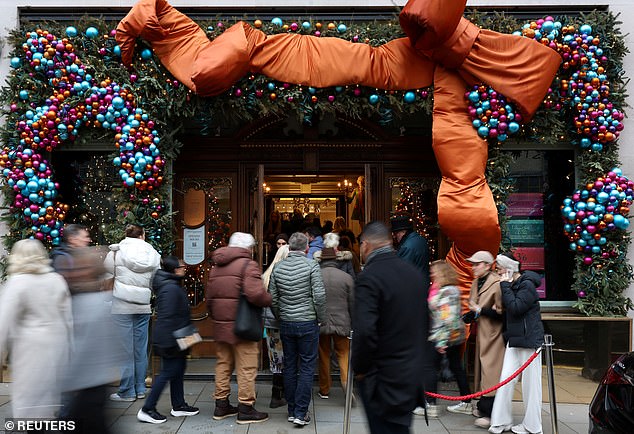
{"x": 219, "y": 174}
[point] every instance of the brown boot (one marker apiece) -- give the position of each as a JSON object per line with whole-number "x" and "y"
{"x": 248, "y": 414}
{"x": 224, "y": 409}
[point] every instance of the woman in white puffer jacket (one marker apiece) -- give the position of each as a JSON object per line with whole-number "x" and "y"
{"x": 133, "y": 263}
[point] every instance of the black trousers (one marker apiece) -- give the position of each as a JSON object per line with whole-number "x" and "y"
{"x": 455, "y": 365}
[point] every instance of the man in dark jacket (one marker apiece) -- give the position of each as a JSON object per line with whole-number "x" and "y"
{"x": 299, "y": 302}
{"x": 390, "y": 324}
{"x": 234, "y": 269}
{"x": 413, "y": 248}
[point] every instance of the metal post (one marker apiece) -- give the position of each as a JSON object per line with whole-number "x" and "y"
{"x": 548, "y": 346}
{"x": 349, "y": 386}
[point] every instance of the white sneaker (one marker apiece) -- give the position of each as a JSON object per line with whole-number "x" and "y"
{"x": 150, "y": 416}
{"x": 521, "y": 429}
{"x": 461, "y": 408}
{"x": 419, "y": 411}
{"x": 119, "y": 398}
{"x": 482, "y": 422}
{"x": 499, "y": 429}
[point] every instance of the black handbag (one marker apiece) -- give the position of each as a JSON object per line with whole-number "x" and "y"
{"x": 249, "y": 324}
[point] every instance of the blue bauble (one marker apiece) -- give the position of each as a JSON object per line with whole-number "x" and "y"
{"x": 16, "y": 62}
{"x": 118, "y": 102}
{"x": 483, "y": 131}
{"x": 596, "y": 250}
{"x": 585, "y": 143}
{"x": 409, "y": 97}
{"x": 146, "y": 54}
{"x": 597, "y": 147}
{"x": 33, "y": 186}
{"x": 513, "y": 127}
{"x": 474, "y": 97}
{"x": 373, "y": 99}
{"x": 618, "y": 171}
{"x": 24, "y": 94}
{"x": 92, "y": 32}
{"x": 271, "y": 86}
{"x": 116, "y": 51}
{"x": 306, "y": 25}
{"x": 621, "y": 222}
{"x": 277, "y": 21}
{"x": 585, "y": 29}
{"x": 71, "y": 32}
{"x": 129, "y": 181}
{"x": 341, "y": 28}
{"x": 603, "y": 197}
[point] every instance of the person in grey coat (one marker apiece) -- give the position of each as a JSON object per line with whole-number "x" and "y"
{"x": 299, "y": 302}
{"x": 336, "y": 329}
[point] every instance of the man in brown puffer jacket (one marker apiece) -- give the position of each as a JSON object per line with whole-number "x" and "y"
{"x": 234, "y": 268}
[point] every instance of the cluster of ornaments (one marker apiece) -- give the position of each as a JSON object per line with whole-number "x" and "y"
{"x": 585, "y": 88}
{"x": 77, "y": 99}
{"x": 490, "y": 113}
{"x": 286, "y": 92}
{"x": 591, "y": 214}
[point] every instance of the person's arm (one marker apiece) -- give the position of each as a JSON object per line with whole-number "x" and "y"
{"x": 318, "y": 292}
{"x": 519, "y": 302}
{"x": 253, "y": 288}
{"x": 273, "y": 290}
{"x": 10, "y": 310}
{"x": 365, "y": 324}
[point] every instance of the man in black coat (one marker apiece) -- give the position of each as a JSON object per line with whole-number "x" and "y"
{"x": 390, "y": 325}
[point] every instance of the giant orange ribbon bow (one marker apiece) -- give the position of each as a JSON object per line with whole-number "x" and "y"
{"x": 442, "y": 49}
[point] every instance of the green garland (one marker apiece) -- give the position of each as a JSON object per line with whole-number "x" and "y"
{"x": 172, "y": 106}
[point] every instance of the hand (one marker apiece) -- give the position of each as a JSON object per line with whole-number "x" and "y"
{"x": 359, "y": 377}
{"x": 442, "y": 350}
{"x": 507, "y": 276}
{"x": 473, "y": 306}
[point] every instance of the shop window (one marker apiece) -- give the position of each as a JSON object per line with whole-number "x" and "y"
{"x": 542, "y": 181}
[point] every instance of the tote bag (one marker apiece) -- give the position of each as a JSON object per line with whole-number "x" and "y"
{"x": 248, "y": 324}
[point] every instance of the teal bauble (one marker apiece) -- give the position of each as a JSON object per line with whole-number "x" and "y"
{"x": 373, "y": 99}
{"x": 409, "y": 97}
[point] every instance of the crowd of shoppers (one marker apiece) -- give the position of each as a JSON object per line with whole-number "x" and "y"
{"x": 97, "y": 313}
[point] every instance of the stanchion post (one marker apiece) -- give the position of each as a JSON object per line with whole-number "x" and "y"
{"x": 349, "y": 386}
{"x": 548, "y": 346}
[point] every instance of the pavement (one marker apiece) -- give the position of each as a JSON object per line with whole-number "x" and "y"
{"x": 327, "y": 415}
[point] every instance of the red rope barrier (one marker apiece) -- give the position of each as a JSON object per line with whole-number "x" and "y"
{"x": 490, "y": 389}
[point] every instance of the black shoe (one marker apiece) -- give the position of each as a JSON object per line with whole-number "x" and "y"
{"x": 248, "y": 414}
{"x": 184, "y": 410}
{"x": 224, "y": 409}
{"x": 150, "y": 416}
{"x": 302, "y": 422}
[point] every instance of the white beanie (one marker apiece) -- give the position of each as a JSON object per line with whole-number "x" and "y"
{"x": 240, "y": 239}
{"x": 507, "y": 263}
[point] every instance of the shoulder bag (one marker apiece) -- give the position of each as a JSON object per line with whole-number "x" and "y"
{"x": 248, "y": 324}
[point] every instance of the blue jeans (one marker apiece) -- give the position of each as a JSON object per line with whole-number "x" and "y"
{"x": 300, "y": 341}
{"x": 172, "y": 370}
{"x": 134, "y": 335}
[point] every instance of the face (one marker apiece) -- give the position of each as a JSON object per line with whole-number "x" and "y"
{"x": 398, "y": 236}
{"x": 81, "y": 239}
{"x": 280, "y": 243}
{"x": 181, "y": 269}
{"x": 364, "y": 249}
{"x": 479, "y": 269}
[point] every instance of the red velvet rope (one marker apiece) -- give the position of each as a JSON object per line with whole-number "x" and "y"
{"x": 490, "y": 389}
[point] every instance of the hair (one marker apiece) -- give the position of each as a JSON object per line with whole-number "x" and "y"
{"x": 170, "y": 263}
{"x": 134, "y": 231}
{"x": 339, "y": 224}
{"x": 362, "y": 179}
{"x": 274, "y": 227}
{"x": 28, "y": 257}
{"x": 345, "y": 243}
{"x": 241, "y": 239}
{"x": 445, "y": 273}
{"x": 376, "y": 233}
{"x": 281, "y": 254}
{"x": 331, "y": 240}
{"x": 281, "y": 236}
{"x": 327, "y": 227}
{"x": 313, "y": 231}
{"x": 73, "y": 230}
{"x": 298, "y": 242}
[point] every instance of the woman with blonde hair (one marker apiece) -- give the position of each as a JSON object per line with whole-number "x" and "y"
{"x": 273, "y": 341}
{"x": 35, "y": 315}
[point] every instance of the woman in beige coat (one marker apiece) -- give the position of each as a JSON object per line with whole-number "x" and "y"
{"x": 485, "y": 304}
{"x": 36, "y": 325}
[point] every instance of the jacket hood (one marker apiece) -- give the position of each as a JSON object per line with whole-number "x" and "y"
{"x": 532, "y": 277}
{"x": 342, "y": 255}
{"x": 137, "y": 255}
{"x": 225, "y": 255}
{"x": 162, "y": 278}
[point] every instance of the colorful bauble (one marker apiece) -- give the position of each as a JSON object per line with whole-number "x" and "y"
{"x": 593, "y": 213}
{"x": 77, "y": 99}
{"x": 490, "y": 113}
{"x": 582, "y": 83}
{"x": 277, "y": 22}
